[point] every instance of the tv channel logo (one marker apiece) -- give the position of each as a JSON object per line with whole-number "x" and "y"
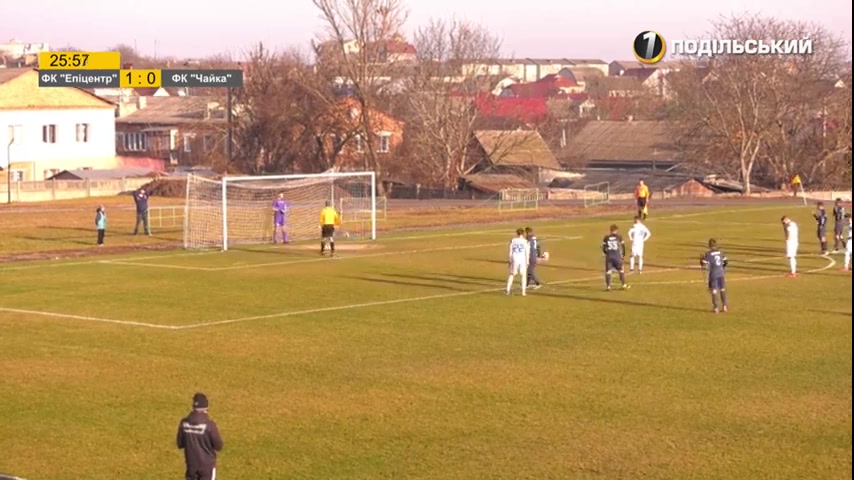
{"x": 649, "y": 47}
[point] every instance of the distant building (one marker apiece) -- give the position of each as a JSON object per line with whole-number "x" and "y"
{"x": 17, "y": 49}
{"x": 52, "y": 129}
{"x": 529, "y": 69}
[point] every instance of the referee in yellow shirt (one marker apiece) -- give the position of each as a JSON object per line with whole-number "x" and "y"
{"x": 329, "y": 219}
{"x": 642, "y": 197}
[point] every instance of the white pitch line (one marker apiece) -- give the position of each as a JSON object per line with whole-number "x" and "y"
{"x": 155, "y": 265}
{"x": 283, "y": 314}
{"x": 412, "y": 237}
{"x": 830, "y": 264}
{"x": 85, "y": 318}
{"x": 393, "y": 253}
{"x": 380, "y": 303}
{"x": 94, "y": 261}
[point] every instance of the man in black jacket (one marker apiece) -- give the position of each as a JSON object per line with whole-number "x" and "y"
{"x": 199, "y": 437}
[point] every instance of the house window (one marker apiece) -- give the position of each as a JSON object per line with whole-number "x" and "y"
{"x": 16, "y": 134}
{"x": 132, "y": 141}
{"x": 49, "y": 133}
{"x": 17, "y": 175}
{"x": 384, "y": 145}
{"x": 208, "y": 143}
{"x": 360, "y": 144}
{"x": 82, "y": 132}
{"x": 187, "y": 140}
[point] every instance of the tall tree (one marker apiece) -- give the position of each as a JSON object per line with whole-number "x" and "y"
{"x": 441, "y": 97}
{"x": 353, "y": 48}
{"x": 746, "y": 111}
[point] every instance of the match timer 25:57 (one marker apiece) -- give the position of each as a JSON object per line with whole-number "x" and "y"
{"x": 140, "y": 78}
{"x": 80, "y": 61}
{"x": 649, "y": 47}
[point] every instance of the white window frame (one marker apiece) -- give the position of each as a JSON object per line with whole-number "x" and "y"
{"x": 16, "y": 134}
{"x": 17, "y": 175}
{"x": 49, "y": 133}
{"x": 187, "y": 142}
{"x": 132, "y": 141}
{"x": 82, "y": 132}
{"x": 384, "y": 142}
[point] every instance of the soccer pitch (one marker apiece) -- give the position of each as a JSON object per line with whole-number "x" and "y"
{"x": 402, "y": 359}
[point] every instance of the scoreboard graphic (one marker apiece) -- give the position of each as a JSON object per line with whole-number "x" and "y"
{"x": 103, "y": 70}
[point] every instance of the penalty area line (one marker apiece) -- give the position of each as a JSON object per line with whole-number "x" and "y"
{"x": 86, "y": 318}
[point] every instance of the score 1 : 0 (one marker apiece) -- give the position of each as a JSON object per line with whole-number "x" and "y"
{"x": 140, "y": 78}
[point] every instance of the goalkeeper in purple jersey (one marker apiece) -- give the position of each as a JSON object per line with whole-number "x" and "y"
{"x": 280, "y": 217}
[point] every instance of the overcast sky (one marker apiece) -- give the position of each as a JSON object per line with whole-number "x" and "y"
{"x": 533, "y": 28}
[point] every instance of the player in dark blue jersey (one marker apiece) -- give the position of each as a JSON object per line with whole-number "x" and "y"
{"x": 614, "y": 250}
{"x": 838, "y": 225}
{"x": 536, "y": 254}
{"x": 820, "y": 216}
{"x": 714, "y": 262}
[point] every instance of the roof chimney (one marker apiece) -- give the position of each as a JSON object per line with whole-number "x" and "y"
{"x": 141, "y": 102}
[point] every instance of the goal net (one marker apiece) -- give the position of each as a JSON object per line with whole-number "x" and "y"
{"x": 515, "y": 199}
{"x": 239, "y": 210}
{"x": 597, "y": 194}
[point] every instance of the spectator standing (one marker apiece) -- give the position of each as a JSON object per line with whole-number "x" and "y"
{"x": 101, "y": 224}
{"x": 199, "y": 437}
{"x": 140, "y": 198}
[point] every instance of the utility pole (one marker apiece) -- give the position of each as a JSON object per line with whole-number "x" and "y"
{"x": 229, "y": 145}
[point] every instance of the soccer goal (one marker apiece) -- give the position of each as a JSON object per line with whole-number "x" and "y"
{"x": 597, "y": 194}
{"x": 238, "y": 210}
{"x": 516, "y": 199}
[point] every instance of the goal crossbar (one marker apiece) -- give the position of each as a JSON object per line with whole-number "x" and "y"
{"x": 239, "y": 209}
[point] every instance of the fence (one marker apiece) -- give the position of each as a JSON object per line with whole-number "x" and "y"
{"x": 69, "y": 189}
{"x": 514, "y": 199}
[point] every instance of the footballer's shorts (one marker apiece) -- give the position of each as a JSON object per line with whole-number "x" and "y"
{"x": 613, "y": 263}
{"x": 848, "y": 246}
{"x": 519, "y": 267}
{"x": 838, "y": 229}
{"x": 200, "y": 474}
{"x": 717, "y": 283}
{"x": 637, "y": 250}
{"x": 642, "y": 202}
{"x": 279, "y": 222}
{"x": 821, "y": 232}
{"x": 327, "y": 231}
{"x": 791, "y": 249}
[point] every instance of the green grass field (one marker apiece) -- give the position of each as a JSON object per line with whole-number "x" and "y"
{"x": 402, "y": 359}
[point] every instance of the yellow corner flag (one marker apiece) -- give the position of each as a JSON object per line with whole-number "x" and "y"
{"x": 796, "y": 180}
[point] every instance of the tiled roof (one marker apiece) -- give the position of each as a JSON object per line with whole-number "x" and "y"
{"x": 175, "y": 110}
{"x": 624, "y": 181}
{"x": 635, "y": 141}
{"x": 529, "y": 110}
{"x": 517, "y": 148}
{"x": 620, "y": 83}
{"x": 494, "y": 183}
{"x": 587, "y": 61}
{"x": 108, "y": 174}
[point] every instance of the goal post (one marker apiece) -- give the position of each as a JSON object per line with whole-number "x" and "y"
{"x": 238, "y": 210}
{"x": 597, "y": 194}
{"x": 516, "y": 199}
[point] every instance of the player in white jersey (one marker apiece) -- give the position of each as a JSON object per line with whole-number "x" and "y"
{"x": 792, "y": 242}
{"x": 848, "y": 245}
{"x": 518, "y": 257}
{"x": 638, "y": 235}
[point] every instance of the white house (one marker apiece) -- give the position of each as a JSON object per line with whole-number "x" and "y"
{"x": 16, "y": 49}
{"x": 46, "y": 130}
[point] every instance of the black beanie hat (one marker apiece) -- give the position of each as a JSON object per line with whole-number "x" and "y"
{"x": 200, "y": 401}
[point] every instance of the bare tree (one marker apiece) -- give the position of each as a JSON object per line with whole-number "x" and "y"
{"x": 811, "y": 99}
{"x": 353, "y": 49}
{"x": 740, "y": 112}
{"x": 443, "y": 113}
